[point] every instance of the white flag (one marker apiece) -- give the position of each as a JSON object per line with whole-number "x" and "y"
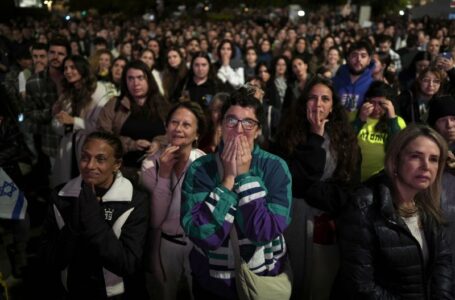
{"x": 13, "y": 204}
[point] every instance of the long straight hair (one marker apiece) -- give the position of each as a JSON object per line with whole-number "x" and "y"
{"x": 155, "y": 104}
{"x": 429, "y": 199}
{"x": 80, "y": 97}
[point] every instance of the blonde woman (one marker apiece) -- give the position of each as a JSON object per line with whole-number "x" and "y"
{"x": 393, "y": 241}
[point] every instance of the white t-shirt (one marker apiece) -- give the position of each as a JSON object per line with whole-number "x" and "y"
{"x": 413, "y": 224}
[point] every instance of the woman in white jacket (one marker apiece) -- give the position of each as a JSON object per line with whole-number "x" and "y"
{"x": 75, "y": 115}
{"x": 227, "y": 71}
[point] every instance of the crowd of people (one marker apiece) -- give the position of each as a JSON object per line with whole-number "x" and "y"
{"x": 169, "y": 152}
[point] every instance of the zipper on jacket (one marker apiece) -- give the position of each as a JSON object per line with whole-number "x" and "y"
{"x": 422, "y": 262}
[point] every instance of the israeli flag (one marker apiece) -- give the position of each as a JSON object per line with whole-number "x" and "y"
{"x": 13, "y": 204}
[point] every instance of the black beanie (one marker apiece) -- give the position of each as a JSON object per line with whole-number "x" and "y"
{"x": 440, "y": 107}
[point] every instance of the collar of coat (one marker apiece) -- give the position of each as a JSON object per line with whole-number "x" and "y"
{"x": 121, "y": 190}
{"x": 125, "y": 102}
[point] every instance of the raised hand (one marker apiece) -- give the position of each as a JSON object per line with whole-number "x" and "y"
{"x": 365, "y": 111}
{"x": 316, "y": 121}
{"x": 142, "y": 145}
{"x": 243, "y": 157}
{"x": 154, "y": 146}
{"x": 387, "y": 105}
{"x": 444, "y": 63}
{"x": 64, "y": 118}
{"x": 168, "y": 159}
{"x": 228, "y": 159}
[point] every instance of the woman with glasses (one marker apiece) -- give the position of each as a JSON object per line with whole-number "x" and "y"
{"x": 414, "y": 102}
{"x": 240, "y": 187}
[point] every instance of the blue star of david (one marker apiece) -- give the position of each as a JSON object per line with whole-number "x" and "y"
{"x": 7, "y": 189}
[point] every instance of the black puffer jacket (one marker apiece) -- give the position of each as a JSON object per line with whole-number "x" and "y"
{"x": 380, "y": 257}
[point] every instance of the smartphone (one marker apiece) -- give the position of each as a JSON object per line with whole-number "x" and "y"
{"x": 447, "y": 55}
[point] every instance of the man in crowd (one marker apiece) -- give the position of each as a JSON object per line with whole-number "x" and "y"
{"x": 385, "y": 46}
{"x": 42, "y": 90}
{"x": 433, "y": 47}
{"x": 39, "y": 64}
{"x": 353, "y": 78}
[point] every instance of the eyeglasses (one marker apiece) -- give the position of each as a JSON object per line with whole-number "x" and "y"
{"x": 428, "y": 81}
{"x": 247, "y": 124}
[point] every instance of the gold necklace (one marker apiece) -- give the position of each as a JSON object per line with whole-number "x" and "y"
{"x": 407, "y": 211}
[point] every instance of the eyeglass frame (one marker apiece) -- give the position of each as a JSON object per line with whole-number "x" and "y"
{"x": 430, "y": 81}
{"x": 242, "y": 121}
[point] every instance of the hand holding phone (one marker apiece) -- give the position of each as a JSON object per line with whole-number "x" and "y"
{"x": 447, "y": 55}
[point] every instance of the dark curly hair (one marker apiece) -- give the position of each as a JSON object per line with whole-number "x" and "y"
{"x": 295, "y": 127}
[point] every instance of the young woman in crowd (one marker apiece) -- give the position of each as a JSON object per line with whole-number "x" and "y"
{"x": 296, "y": 87}
{"x": 393, "y": 241}
{"x": 162, "y": 174}
{"x": 263, "y": 73}
{"x": 333, "y": 60}
{"x": 201, "y": 84}
{"x": 278, "y": 83}
{"x": 251, "y": 60}
{"x": 101, "y": 63}
{"x": 324, "y": 158}
{"x": 240, "y": 187}
{"x": 174, "y": 73}
{"x": 230, "y": 75}
{"x": 75, "y": 115}
{"x": 115, "y": 76}
{"x": 126, "y": 50}
{"x": 321, "y": 53}
{"x": 155, "y": 45}
{"x": 210, "y": 141}
{"x": 148, "y": 57}
{"x": 414, "y": 102}
{"x": 137, "y": 116}
{"x": 265, "y": 51}
{"x": 95, "y": 232}
{"x": 385, "y": 70}
{"x": 300, "y": 48}
{"x": 420, "y": 62}
{"x": 375, "y": 125}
